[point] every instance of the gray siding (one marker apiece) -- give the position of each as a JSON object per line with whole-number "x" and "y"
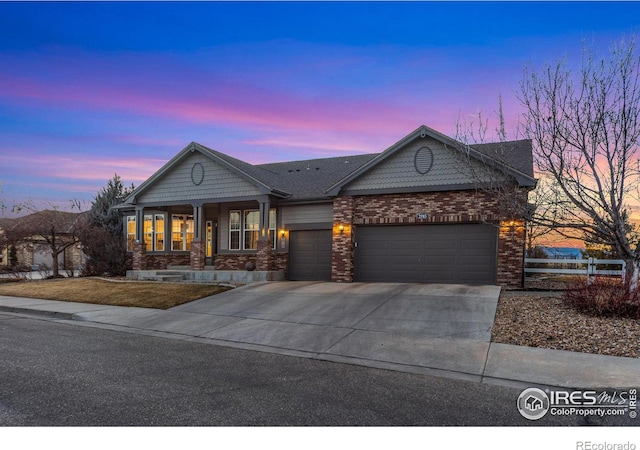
{"x": 315, "y": 213}
{"x": 217, "y": 183}
{"x": 398, "y": 170}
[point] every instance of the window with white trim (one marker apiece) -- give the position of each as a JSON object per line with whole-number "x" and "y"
{"x": 234, "y": 229}
{"x": 131, "y": 232}
{"x": 244, "y": 229}
{"x": 152, "y": 232}
{"x": 251, "y": 226}
{"x": 272, "y": 228}
{"x": 182, "y": 228}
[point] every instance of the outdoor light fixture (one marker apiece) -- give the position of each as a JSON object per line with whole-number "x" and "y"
{"x": 341, "y": 228}
{"x": 282, "y": 233}
{"x": 512, "y": 228}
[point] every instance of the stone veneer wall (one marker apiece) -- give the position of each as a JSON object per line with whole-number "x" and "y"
{"x": 160, "y": 261}
{"x": 511, "y": 240}
{"x": 342, "y": 243}
{"x": 233, "y": 261}
{"x": 197, "y": 255}
{"x": 439, "y": 207}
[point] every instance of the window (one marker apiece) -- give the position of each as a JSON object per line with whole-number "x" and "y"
{"x": 181, "y": 232}
{"x": 131, "y": 232}
{"x": 148, "y": 232}
{"x": 244, "y": 229}
{"x": 152, "y": 232}
{"x": 272, "y": 228}
{"x": 251, "y": 229}
{"x": 159, "y": 232}
{"x": 234, "y": 230}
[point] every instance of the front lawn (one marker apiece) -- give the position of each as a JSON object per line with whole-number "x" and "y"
{"x": 112, "y": 292}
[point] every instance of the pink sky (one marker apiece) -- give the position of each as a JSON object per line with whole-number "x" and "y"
{"x": 82, "y": 100}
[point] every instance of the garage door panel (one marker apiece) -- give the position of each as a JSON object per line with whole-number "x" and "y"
{"x": 310, "y": 255}
{"x": 461, "y": 253}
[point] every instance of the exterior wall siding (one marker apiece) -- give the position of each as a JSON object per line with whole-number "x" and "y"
{"x": 439, "y": 207}
{"x": 511, "y": 240}
{"x": 399, "y": 170}
{"x": 159, "y": 261}
{"x": 342, "y": 244}
{"x": 217, "y": 182}
{"x": 315, "y": 213}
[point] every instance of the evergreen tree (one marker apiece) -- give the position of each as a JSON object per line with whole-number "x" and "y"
{"x": 102, "y": 237}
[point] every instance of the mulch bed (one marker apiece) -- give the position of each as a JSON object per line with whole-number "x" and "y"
{"x": 538, "y": 318}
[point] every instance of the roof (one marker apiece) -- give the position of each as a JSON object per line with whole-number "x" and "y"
{"x": 42, "y": 221}
{"x": 512, "y": 158}
{"x": 516, "y": 154}
{"x": 320, "y": 179}
{"x": 309, "y": 179}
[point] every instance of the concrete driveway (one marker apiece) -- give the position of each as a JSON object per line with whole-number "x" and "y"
{"x": 433, "y": 310}
{"x": 424, "y": 325}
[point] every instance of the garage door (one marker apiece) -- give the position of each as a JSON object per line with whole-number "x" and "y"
{"x": 42, "y": 257}
{"x": 427, "y": 254}
{"x": 310, "y": 255}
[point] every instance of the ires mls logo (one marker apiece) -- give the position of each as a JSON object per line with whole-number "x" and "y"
{"x": 534, "y": 403}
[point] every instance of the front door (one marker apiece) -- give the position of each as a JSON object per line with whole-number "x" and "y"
{"x": 210, "y": 242}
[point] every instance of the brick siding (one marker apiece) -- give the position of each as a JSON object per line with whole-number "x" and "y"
{"x": 438, "y": 207}
{"x": 197, "y": 255}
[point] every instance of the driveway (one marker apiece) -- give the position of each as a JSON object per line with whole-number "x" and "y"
{"x": 433, "y": 310}
{"x": 447, "y": 327}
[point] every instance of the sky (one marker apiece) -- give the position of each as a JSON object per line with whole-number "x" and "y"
{"x": 93, "y": 89}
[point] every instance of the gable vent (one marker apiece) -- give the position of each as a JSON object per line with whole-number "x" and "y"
{"x": 423, "y": 160}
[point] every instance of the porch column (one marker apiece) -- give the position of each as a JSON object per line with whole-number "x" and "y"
{"x": 263, "y": 255}
{"x": 139, "y": 256}
{"x": 198, "y": 251}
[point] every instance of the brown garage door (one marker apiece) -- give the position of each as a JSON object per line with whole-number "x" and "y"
{"x": 463, "y": 253}
{"x": 310, "y": 255}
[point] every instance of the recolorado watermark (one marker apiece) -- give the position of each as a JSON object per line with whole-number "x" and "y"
{"x": 588, "y": 445}
{"x": 534, "y": 404}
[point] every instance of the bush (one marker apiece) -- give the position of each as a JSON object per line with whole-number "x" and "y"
{"x": 604, "y": 297}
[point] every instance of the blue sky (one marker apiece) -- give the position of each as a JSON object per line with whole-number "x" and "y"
{"x": 92, "y": 89}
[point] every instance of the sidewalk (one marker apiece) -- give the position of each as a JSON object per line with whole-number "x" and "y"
{"x": 453, "y": 358}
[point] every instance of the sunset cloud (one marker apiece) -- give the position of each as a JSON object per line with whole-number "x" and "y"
{"x": 123, "y": 92}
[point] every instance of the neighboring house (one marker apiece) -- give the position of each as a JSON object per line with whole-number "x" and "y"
{"x": 27, "y": 235}
{"x": 412, "y": 213}
{"x": 4, "y": 247}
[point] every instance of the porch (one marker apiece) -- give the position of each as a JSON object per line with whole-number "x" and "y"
{"x": 208, "y": 275}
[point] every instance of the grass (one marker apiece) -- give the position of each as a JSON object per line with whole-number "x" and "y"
{"x": 116, "y": 293}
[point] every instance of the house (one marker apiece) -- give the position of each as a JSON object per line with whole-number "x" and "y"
{"x": 420, "y": 211}
{"x": 31, "y": 238}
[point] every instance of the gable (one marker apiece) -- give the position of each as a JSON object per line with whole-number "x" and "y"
{"x": 424, "y": 163}
{"x": 197, "y": 177}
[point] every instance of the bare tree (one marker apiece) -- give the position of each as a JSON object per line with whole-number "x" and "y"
{"x": 585, "y": 129}
{"x": 492, "y": 165}
{"x": 51, "y": 229}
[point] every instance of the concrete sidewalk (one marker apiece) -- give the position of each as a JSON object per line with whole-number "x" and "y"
{"x": 313, "y": 330}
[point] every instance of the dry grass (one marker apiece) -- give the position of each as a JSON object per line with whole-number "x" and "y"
{"x": 117, "y": 293}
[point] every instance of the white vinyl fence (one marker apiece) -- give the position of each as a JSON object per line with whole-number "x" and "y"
{"x": 588, "y": 267}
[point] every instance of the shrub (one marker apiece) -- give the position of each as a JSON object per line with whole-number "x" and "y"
{"x": 604, "y": 297}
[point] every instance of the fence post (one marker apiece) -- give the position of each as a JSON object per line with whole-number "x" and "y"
{"x": 591, "y": 270}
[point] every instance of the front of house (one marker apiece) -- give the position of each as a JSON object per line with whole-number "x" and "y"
{"x": 413, "y": 213}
